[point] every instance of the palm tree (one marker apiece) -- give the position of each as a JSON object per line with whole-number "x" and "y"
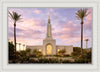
{"x": 81, "y": 14}
{"x": 86, "y": 42}
{"x": 15, "y": 17}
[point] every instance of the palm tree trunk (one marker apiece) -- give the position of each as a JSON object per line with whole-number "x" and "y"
{"x": 82, "y": 38}
{"x": 86, "y": 44}
{"x": 15, "y": 38}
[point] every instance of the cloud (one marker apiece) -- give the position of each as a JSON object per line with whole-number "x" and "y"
{"x": 33, "y": 29}
{"x": 37, "y": 11}
{"x": 29, "y": 29}
{"x": 88, "y": 24}
{"x": 51, "y": 10}
{"x": 66, "y": 31}
{"x": 69, "y": 33}
{"x": 73, "y": 40}
{"x": 88, "y": 19}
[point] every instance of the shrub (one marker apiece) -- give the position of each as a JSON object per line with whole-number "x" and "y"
{"x": 36, "y": 53}
{"x": 86, "y": 58}
{"x": 28, "y": 50}
{"x": 11, "y": 50}
{"x": 62, "y": 52}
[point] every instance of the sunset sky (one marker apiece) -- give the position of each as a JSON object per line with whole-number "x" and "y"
{"x": 66, "y": 27}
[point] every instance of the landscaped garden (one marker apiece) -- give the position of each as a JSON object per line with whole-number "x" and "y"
{"x": 26, "y": 56}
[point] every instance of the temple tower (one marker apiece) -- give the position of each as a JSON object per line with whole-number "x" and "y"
{"x": 49, "y": 44}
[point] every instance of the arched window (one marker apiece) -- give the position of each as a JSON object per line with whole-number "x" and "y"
{"x": 49, "y": 49}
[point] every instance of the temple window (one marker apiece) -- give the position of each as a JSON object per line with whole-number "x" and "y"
{"x": 39, "y": 50}
{"x": 58, "y": 50}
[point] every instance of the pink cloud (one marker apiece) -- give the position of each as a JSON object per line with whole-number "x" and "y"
{"x": 71, "y": 27}
{"x": 37, "y": 11}
{"x": 89, "y": 16}
{"x": 69, "y": 22}
{"x": 28, "y": 29}
{"x": 67, "y": 31}
{"x": 73, "y": 40}
{"x": 51, "y": 10}
{"x": 31, "y": 24}
{"x": 33, "y": 31}
{"x": 88, "y": 21}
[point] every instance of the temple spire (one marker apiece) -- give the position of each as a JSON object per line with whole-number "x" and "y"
{"x": 49, "y": 18}
{"x": 49, "y": 33}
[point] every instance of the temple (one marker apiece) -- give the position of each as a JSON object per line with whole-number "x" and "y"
{"x": 49, "y": 46}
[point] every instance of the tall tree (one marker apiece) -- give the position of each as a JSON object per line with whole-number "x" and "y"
{"x": 86, "y": 42}
{"x": 15, "y": 17}
{"x": 81, "y": 14}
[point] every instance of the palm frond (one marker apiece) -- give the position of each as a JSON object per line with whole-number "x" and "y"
{"x": 81, "y": 13}
{"x": 77, "y": 17}
{"x": 11, "y": 15}
{"x": 88, "y": 13}
{"x": 15, "y": 16}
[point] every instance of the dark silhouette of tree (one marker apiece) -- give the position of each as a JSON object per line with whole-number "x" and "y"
{"x": 15, "y": 17}
{"x": 81, "y": 14}
{"x": 11, "y": 50}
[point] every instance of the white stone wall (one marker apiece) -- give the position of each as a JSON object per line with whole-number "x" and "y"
{"x": 69, "y": 49}
{"x": 37, "y": 47}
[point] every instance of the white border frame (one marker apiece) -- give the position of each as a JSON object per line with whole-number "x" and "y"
{"x": 6, "y": 66}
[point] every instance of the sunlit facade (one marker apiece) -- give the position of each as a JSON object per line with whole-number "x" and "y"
{"x": 20, "y": 46}
{"x": 49, "y": 46}
{"x": 58, "y": 50}
{"x": 39, "y": 50}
